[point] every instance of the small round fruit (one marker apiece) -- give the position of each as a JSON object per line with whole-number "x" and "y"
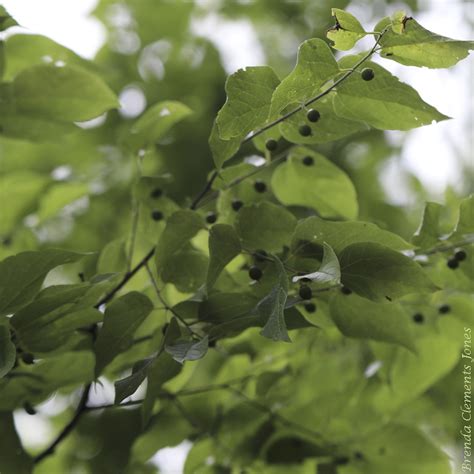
{"x": 308, "y": 161}
{"x": 237, "y": 204}
{"x": 157, "y": 215}
{"x": 211, "y": 217}
{"x": 255, "y": 273}
{"x": 453, "y": 263}
{"x": 260, "y": 255}
{"x": 313, "y": 115}
{"x": 367, "y": 74}
{"x": 260, "y": 186}
{"x": 304, "y": 130}
{"x": 29, "y": 409}
{"x": 345, "y": 290}
{"x": 418, "y": 318}
{"x": 27, "y": 358}
{"x": 305, "y": 293}
{"x": 271, "y": 144}
{"x": 460, "y": 255}
{"x": 156, "y": 193}
{"x": 444, "y": 309}
{"x": 310, "y": 307}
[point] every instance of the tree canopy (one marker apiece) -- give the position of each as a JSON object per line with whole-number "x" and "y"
{"x": 227, "y": 259}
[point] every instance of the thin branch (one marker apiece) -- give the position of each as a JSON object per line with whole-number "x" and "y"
{"x": 446, "y": 248}
{"x": 317, "y": 97}
{"x": 126, "y": 278}
{"x": 204, "y": 191}
{"x": 81, "y": 407}
{"x": 163, "y": 302}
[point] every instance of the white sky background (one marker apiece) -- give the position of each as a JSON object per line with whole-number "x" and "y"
{"x": 428, "y": 151}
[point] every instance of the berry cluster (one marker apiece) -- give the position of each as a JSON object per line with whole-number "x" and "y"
{"x": 459, "y": 256}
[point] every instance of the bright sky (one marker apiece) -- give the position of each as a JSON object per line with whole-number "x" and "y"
{"x": 428, "y": 151}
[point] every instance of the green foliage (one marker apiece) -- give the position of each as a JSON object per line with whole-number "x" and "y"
{"x": 111, "y": 269}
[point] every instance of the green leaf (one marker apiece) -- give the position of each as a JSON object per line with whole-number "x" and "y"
{"x": 188, "y": 350}
{"x": 13, "y": 458}
{"x": 129, "y": 385}
{"x": 157, "y": 121}
{"x": 329, "y": 271}
{"x": 59, "y": 196}
{"x": 224, "y": 245}
{"x": 64, "y": 93}
{"x": 265, "y": 225}
{"x": 121, "y": 319}
{"x": 6, "y": 20}
{"x": 315, "y": 66}
{"x": 414, "y": 45}
{"x": 380, "y": 273}
{"x": 363, "y": 319}
{"x": 26, "y": 50}
{"x": 7, "y": 349}
{"x": 181, "y": 227}
{"x": 427, "y": 234}
{"x": 23, "y": 189}
{"x": 465, "y": 224}
{"x": 167, "y": 428}
{"x": 322, "y": 186}
{"x": 272, "y": 308}
{"x": 186, "y": 270}
{"x": 347, "y": 30}
{"x": 21, "y": 275}
{"x": 113, "y": 257}
{"x": 384, "y": 102}
{"x": 222, "y": 150}
{"x": 249, "y": 92}
{"x": 163, "y": 368}
{"x": 312, "y": 232}
{"x": 329, "y": 127}
{"x": 48, "y": 322}
{"x": 46, "y": 376}
{"x": 405, "y": 450}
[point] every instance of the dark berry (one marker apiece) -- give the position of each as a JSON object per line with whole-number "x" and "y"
{"x": 444, "y": 309}
{"x": 29, "y": 409}
{"x": 304, "y": 130}
{"x": 271, "y": 145}
{"x": 313, "y": 115}
{"x": 211, "y": 217}
{"x": 236, "y": 205}
{"x": 418, "y": 318}
{"x": 453, "y": 263}
{"x": 157, "y": 215}
{"x": 260, "y": 255}
{"x": 460, "y": 255}
{"x": 156, "y": 193}
{"x": 308, "y": 160}
{"x": 367, "y": 74}
{"x": 260, "y": 186}
{"x": 345, "y": 290}
{"x": 305, "y": 293}
{"x": 310, "y": 307}
{"x": 27, "y": 358}
{"x": 255, "y": 273}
